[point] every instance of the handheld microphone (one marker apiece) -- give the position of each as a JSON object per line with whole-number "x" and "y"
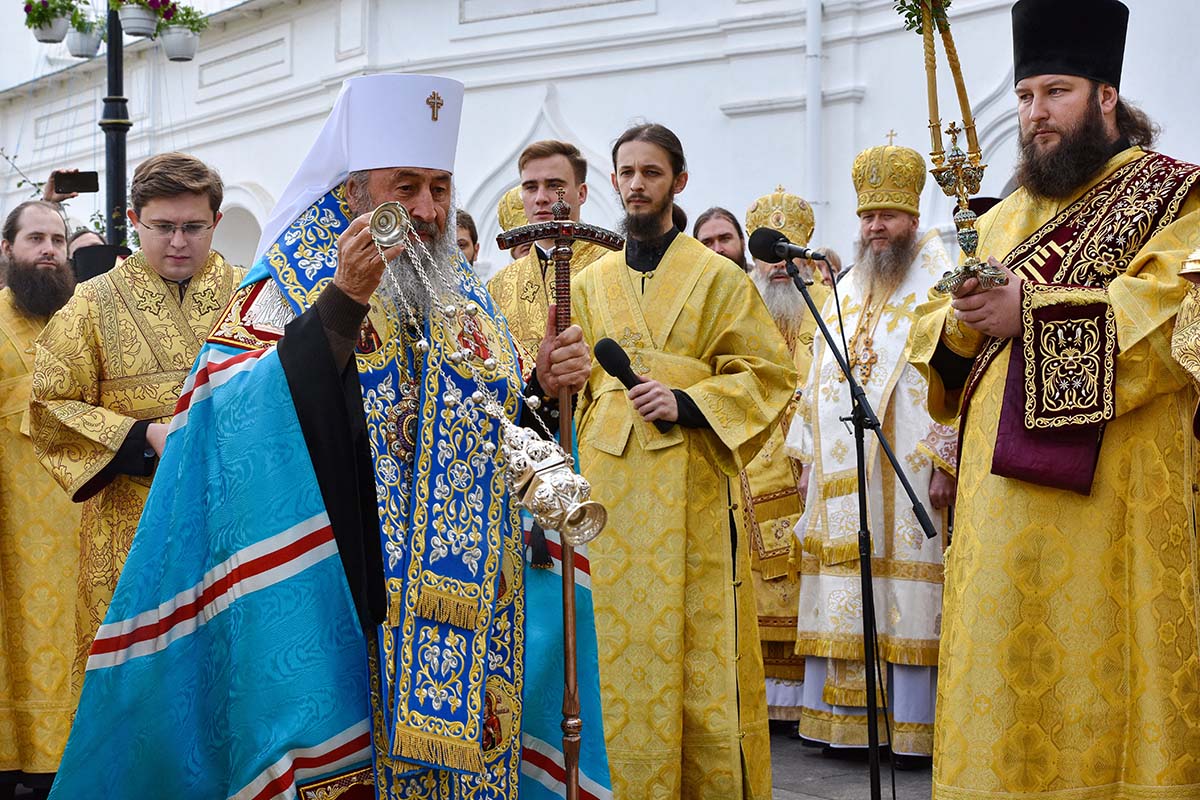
{"x": 615, "y": 361}
{"x": 769, "y": 245}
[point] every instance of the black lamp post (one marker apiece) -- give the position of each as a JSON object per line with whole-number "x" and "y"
{"x": 115, "y": 123}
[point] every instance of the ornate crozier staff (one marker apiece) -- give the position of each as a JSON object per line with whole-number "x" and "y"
{"x": 959, "y": 174}
{"x": 564, "y": 231}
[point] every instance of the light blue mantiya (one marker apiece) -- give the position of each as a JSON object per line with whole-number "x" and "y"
{"x": 232, "y": 662}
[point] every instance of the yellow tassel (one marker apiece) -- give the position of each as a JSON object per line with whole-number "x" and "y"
{"x": 839, "y": 487}
{"x": 844, "y": 550}
{"x": 442, "y": 606}
{"x": 841, "y": 696}
{"x": 440, "y": 750}
{"x": 776, "y": 567}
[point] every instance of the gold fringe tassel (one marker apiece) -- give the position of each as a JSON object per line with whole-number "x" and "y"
{"x": 448, "y": 753}
{"x": 842, "y": 696}
{"x": 442, "y": 606}
{"x": 777, "y": 567}
{"x": 916, "y": 655}
{"x": 839, "y": 487}
{"x": 840, "y": 552}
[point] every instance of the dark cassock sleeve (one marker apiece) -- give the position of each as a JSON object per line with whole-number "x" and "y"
{"x": 316, "y": 354}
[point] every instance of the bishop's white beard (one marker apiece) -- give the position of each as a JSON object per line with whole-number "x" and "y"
{"x": 402, "y": 286}
{"x": 883, "y": 271}
{"x": 782, "y": 299}
{"x": 402, "y": 283}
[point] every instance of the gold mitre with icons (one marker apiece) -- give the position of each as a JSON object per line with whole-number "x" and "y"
{"x": 511, "y": 210}
{"x": 787, "y": 213}
{"x": 889, "y": 176}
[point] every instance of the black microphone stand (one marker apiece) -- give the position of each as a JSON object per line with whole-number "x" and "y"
{"x": 863, "y": 417}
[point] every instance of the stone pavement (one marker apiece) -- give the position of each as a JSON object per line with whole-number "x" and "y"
{"x": 802, "y": 773}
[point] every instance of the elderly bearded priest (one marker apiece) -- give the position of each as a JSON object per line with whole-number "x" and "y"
{"x": 326, "y": 588}
{"x": 1068, "y": 664}
{"x": 894, "y": 270}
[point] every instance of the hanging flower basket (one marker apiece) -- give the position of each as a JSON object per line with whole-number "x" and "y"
{"x": 52, "y": 32}
{"x": 179, "y": 43}
{"x": 83, "y": 44}
{"x": 49, "y": 19}
{"x": 138, "y": 20}
{"x": 180, "y": 30}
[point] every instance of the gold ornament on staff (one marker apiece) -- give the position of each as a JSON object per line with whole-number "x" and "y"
{"x": 958, "y": 173}
{"x": 537, "y": 471}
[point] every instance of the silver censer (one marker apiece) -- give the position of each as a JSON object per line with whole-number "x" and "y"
{"x": 536, "y": 470}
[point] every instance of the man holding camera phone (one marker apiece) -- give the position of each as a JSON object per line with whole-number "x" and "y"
{"x": 109, "y": 367}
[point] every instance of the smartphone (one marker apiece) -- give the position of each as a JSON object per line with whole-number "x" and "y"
{"x": 68, "y": 182}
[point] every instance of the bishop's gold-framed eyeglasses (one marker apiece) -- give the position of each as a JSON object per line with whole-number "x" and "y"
{"x": 166, "y": 230}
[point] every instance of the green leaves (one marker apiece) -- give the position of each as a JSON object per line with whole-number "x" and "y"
{"x": 912, "y": 11}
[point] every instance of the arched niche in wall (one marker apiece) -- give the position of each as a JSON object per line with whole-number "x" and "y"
{"x": 601, "y": 208}
{"x": 236, "y": 237}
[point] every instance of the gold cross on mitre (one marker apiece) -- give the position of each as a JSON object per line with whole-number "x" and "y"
{"x": 434, "y": 101}
{"x": 891, "y": 134}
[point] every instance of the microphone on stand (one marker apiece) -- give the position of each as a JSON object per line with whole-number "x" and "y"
{"x": 769, "y": 245}
{"x": 615, "y": 361}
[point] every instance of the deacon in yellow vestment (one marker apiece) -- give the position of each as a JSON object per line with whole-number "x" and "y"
{"x": 675, "y": 614}
{"x": 39, "y": 551}
{"x": 117, "y": 353}
{"x": 524, "y": 290}
{"x": 769, "y": 501}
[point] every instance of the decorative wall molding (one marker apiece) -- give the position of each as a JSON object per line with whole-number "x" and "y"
{"x": 352, "y": 28}
{"x": 478, "y": 18}
{"x": 776, "y": 105}
{"x": 246, "y": 62}
{"x": 546, "y": 123}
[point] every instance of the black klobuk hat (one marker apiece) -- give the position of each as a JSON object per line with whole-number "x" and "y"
{"x": 1070, "y": 37}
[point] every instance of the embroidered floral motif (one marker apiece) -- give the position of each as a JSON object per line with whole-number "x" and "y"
{"x": 439, "y": 678}
{"x": 1071, "y": 363}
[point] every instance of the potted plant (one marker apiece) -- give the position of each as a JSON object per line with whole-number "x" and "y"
{"x": 49, "y": 19}
{"x": 83, "y": 40}
{"x": 180, "y": 30}
{"x": 139, "y": 17}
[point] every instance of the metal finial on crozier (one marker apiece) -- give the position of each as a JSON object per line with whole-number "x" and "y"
{"x": 960, "y": 178}
{"x": 561, "y": 209}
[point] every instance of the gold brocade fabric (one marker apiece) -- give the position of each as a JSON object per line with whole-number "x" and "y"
{"x": 524, "y": 293}
{"x": 675, "y": 616}
{"x": 39, "y": 553}
{"x": 769, "y": 504}
{"x": 116, "y": 353}
{"x": 1069, "y": 661}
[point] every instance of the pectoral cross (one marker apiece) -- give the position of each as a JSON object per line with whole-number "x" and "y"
{"x": 435, "y": 102}
{"x": 891, "y": 134}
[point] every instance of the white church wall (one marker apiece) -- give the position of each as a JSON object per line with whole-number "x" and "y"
{"x": 727, "y": 75}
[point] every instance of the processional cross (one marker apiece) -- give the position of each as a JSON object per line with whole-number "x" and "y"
{"x": 564, "y": 231}
{"x": 957, "y": 173}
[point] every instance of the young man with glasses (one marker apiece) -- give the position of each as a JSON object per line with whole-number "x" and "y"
{"x": 110, "y": 364}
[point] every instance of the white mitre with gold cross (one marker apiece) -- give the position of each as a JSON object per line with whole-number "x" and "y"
{"x": 377, "y": 121}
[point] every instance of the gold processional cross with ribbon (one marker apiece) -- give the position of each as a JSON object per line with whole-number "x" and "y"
{"x": 958, "y": 173}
